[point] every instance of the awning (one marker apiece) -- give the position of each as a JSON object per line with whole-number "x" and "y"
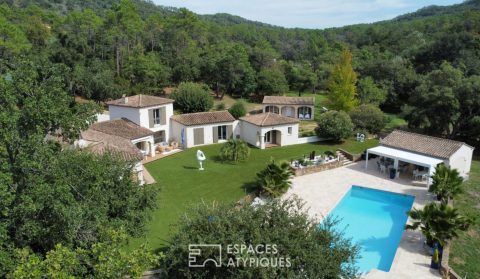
{"x": 405, "y": 156}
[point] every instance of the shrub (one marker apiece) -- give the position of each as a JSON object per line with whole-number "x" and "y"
{"x": 220, "y": 106}
{"x": 368, "y": 118}
{"x": 234, "y": 150}
{"x": 335, "y": 125}
{"x": 274, "y": 179}
{"x": 238, "y": 109}
{"x": 192, "y": 97}
{"x": 314, "y": 250}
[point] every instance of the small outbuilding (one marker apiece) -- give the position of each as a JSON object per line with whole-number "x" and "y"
{"x": 425, "y": 151}
{"x": 269, "y": 129}
{"x": 302, "y": 108}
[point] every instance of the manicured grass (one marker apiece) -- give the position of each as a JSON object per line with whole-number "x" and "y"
{"x": 394, "y": 121}
{"x": 182, "y": 184}
{"x": 465, "y": 252}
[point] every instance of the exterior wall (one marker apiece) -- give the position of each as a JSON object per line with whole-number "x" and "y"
{"x": 131, "y": 114}
{"x": 138, "y": 168}
{"x": 255, "y": 135}
{"x": 148, "y": 145}
{"x": 207, "y": 130}
{"x": 250, "y": 133}
{"x": 295, "y": 107}
{"x": 141, "y": 118}
{"x": 144, "y": 120}
{"x": 104, "y": 116}
{"x": 462, "y": 160}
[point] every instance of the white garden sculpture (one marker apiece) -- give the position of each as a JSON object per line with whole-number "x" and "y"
{"x": 201, "y": 157}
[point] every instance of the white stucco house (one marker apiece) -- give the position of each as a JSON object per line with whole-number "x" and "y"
{"x": 195, "y": 129}
{"x": 426, "y": 151}
{"x": 269, "y": 129}
{"x": 302, "y": 108}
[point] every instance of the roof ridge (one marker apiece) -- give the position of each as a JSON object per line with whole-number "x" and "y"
{"x": 428, "y": 136}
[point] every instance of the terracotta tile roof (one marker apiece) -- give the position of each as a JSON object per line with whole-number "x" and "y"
{"x": 282, "y": 100}
{"x": 123, "y": 128}
{"x": 140, "y": 101}
{"x": 269, "y": 119}
{"x": 101, "y": 143}
{"x": 427, "y": 145}
{"x": 200, "y": 118}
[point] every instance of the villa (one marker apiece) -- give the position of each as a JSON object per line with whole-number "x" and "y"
{"x": 297, "y": 107}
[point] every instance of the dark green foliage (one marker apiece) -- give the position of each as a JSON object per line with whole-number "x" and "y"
{"x": 315, "y": 250}
{"x": 370, "y": 93}
{"x": 235, "y": 150}
{"x": 447, "y": 183}
{"x": 192, "y": 97}
{"x": 238, "y": 109}
{"x": 438, "y": 222}
{"x": 274, "y": 180}
{"x": 271, "y": 82}
{"x": 368, "y": 118}
{"x": 335, "y": 125}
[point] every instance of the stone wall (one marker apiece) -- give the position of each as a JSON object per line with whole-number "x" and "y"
{"x": 318, "y": 168}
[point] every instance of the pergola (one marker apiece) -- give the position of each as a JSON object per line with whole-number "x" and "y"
{"x": 405, "y": 156}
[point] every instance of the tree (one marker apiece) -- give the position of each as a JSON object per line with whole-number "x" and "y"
{"x": 342, "y": 84}
{"x": 107, "y": 259}
{"x": 368, "y": 118}
{"x": 192, "y": 97}
{"x": 335, "y": 125}
{"x": 314, "y": 250}
{"x": 238, "y": 109}
{"x": 447, "y": 183}
{"x": 13, "y": 39}
{"x": 271, "y": 82}
{"x": 274, "y": 179}
{"x": 438, "y": 222}
{"x": 370, "y": 93}
{"x": 235, "y": 150}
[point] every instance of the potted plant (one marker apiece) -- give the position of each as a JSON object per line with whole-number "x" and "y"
{"x": 435, "y": 263}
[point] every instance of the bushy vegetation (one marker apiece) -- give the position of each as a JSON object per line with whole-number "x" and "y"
{"x": 235, "y": 150}
{"x": 192, "y": 97}
{"x": 368, "y": 118}
{"x": 335, "y": 125}
{"x": 274, "y": 180}
{"x": 238, "y": 109}
{"x": 314, "y": 250}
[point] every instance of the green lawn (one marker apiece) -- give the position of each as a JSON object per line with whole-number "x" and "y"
{"x": 465, "y": 253}
{"x": 182, "y": 184}
{"x": 394, "y": 121}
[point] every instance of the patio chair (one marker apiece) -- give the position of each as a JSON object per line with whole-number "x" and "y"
{"x": 300, "y": 116}
{"x": 383, "y": 169}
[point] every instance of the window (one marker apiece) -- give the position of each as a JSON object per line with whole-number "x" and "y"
{"x": 273, "y": 109}
{"x": 156, "y": 116}
{"x": 289, "y": 130}
{"x": 222, "y": 132}
{"x": 159, "y": 137}
{"x": 304, "y": 113}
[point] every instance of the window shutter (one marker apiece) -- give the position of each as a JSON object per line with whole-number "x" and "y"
{"x": 215, "y": 134}
{"x": 150, "y": 118}
{"x": 198, "y": 136}
{"x": 229, "y": 131}
{"x": 163, "y": 115}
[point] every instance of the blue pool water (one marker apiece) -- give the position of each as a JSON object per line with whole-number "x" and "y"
{"x": 374, "y": 220}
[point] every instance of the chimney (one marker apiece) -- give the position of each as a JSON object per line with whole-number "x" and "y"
{"x": 125, "y": 99}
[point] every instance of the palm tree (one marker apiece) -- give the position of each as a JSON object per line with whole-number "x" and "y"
{"x": 438, "y": 222}
{"x": 275, "y": 179}
{"x": 447, "y": 183}
{"x": 234, "y": 150}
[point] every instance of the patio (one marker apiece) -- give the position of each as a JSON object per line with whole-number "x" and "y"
{"x": 322, "y": 191}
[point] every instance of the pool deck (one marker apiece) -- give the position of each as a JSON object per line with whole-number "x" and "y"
{"x": 323, "y": 190}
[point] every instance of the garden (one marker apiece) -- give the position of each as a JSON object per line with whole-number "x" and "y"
{"x": 182, "y": 184}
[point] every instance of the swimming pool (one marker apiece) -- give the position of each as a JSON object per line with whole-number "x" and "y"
{"x": 375, "y": 220}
